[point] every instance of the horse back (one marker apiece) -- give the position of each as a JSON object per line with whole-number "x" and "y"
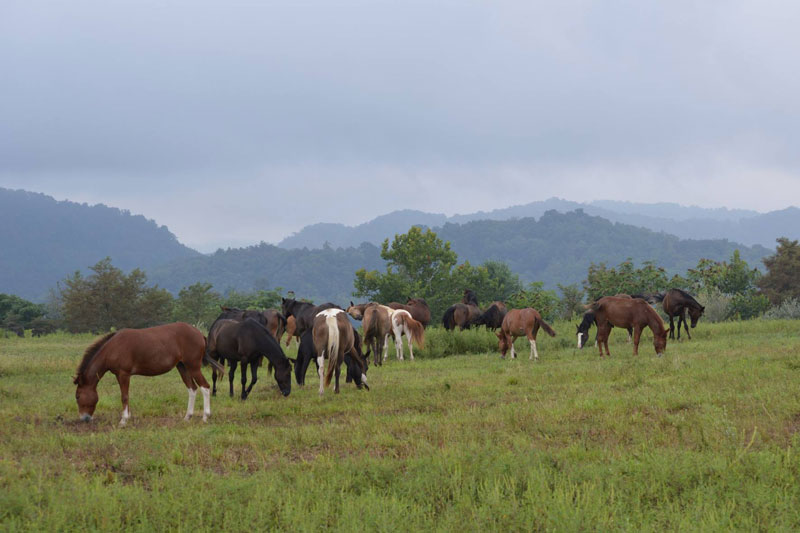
{"x": 155, "y": 350}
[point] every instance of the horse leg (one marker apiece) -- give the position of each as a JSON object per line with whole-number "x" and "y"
{"x": 321, "y": 372}
{"x": 685, "y": 325}
{"x": 214, "y": 377}
{"x": 336, "y": 373}
{"x": 385, "y": 346}
{"x": 637, "y": 334}
{"x": 513, "y": 353}
{"x": 187, "y": 380}
{"x": 233, "y": 364}
{"x": 672, "y": 329}
{"x": 200, "y": 381}
{"x": 124, "y": 380}
{"x": 254, "y": 377}
{"x": 244, "y": 380}
{"x": 410, "y": 346}
{"x": 630, "y": 334}
{"x": 534, "y": 353}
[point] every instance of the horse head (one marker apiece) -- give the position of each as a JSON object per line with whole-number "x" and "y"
{"x": 695, "y": 313}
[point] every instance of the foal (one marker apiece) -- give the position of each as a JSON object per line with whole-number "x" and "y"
{"x": 519, "y": 322}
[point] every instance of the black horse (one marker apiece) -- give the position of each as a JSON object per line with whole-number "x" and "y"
{"x": 676, "y": 302}
{"x": 493, "y": 317}
{"x": 247, "y": 342}
{"x": 306, "y": 353}
{"x": 303, "y": 312}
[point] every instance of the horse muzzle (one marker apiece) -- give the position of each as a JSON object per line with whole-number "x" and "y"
{"x": 86, "y": 417}
{"x": 286, "y": 392}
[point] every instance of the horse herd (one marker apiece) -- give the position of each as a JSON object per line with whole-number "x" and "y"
{"x": 246, "y": 337}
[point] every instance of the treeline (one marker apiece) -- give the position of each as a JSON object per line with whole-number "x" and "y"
{"x": 418, "y": 264}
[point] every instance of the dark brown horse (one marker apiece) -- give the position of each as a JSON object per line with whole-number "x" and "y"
{"x": 303, "y": 312}
{"x": 519, "y": 322}
{"x": 376, "y": 323}
{"x": 493, "y": 317}
{"x": 144, "y": 352}
{"x": 675, "y": 302}
{"x": 333, "y": 338}
{"x": 248, "y": 342}
{"x": 418, "y": 308}
{"x": 628, "y": 313}
{"x": 462, "y": 314}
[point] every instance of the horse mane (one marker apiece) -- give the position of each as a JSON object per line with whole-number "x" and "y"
{"x": 588, "y": 320}
{"x": 470, "y": 298}
{"x": 89, "y": 354}
{"x": 687, "y": 295}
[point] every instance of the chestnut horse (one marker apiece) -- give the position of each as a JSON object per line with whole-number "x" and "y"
{"x": 145, "y": 352}
{"x": 628, "y": 313}
{"x": 333, "y": 338}
{"x": 675, "y": 302}
{"x": 519, "y": 322}
{"x": 291, "y": 330}
{"x": 418, "y": 308}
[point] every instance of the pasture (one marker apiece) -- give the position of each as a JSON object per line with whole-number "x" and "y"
{"x": 705, "y": 438}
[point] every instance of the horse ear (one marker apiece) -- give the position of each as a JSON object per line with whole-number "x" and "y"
{"x": 352, "y": 304}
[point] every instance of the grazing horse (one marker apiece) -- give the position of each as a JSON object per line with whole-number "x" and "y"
{"x": 589, "y": 319}
{"x": 333, "y": 337}
{"x": 628, "y": 313}
{"x": 493, "y": 317}
{"x": 247, "y": 342}
{"x": 144, "y": 352}
{"x": 376, "y": 321}
{"x": 306, "y": 353}
{"x": 303, "y": 312}
{"x": 519, "y": 322}
{"x": 675, "y": 302}
{"x": 418, "y": 308}
{"x": 276, "y": 323}
{"x": 462, "y": 314}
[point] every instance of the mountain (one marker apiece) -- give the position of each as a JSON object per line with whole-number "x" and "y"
{"x": 44, "y": 240}
{"x": 738, "y": 225}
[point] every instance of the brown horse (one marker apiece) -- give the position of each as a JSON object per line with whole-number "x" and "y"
{"x": 418, "y": 308}
{"x": 628, "y": 313}
{"x": 291, "y": 330}
{"x": 376, "y": 322}
{"x": 462, "y": 314}
{"x": 519, "y": 322}
{"x": 675, "y": 302}
{"x": 333, "y": 338}
{"x": 276, "y": 323}
{"x": 144, "y": 352}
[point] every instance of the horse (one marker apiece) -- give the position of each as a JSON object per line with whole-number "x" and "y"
{"x": 493, "y": 317}
{"x": 303, "y": 312}
{"x": 333, "y": 337}
{"x": 675, "y": 302}
{"x": 462, "y": 314}
{"x": 306, "y": 353}
{"x": 376, "y": 321}
{"x": 404, "y": 324}
{"x": 291, "y": 330}
{"x": 247, "y": 342}
{"x": 418, "y": 308}
{"x": 145, "y": 352}
{"x": 519, "y": 322}
{"x": 589, "y": 319}
{"x": 276, "y": 323}
{"x": 271, "y": 319}
{"x": 628, "y": 313}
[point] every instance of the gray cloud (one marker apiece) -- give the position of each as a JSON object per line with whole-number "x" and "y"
{"x": 350, "y": 109}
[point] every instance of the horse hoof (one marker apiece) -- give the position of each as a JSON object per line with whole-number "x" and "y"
{"x": 187, "y": 418}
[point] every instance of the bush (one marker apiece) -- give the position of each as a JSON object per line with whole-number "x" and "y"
{"x": 790, "y": 308}
{"x": 747, "y": 306}
{"x": 716, "y": 304}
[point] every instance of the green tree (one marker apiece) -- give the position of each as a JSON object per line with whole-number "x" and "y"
{"x": 625, "y": 279}
{"x": 571, "y": 301}
{"x": 534, "y": 295}
{"x": 18, "y": 312}
{"x": 108, "y": 299}
{"x": 733, "y": 279}
{"x": 197, "y": 304}
{"x": 782, "y": 279}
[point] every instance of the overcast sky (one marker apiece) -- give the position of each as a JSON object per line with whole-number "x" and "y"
{"x": 236, "y": 122}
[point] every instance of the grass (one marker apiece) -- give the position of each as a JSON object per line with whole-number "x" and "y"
{"x": 705, "y": 438}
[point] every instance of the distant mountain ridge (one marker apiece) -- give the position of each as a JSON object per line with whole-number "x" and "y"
{"x": 738, "y": 225}
{"x": 44, "y": 240}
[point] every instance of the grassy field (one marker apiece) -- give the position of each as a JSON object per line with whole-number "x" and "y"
{"x": 705, "y": 438}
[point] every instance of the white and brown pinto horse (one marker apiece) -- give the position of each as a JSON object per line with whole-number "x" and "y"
{"x": 519, "y": 322}
{"x": 380, "y": 321}
{"x": 144, "y": 352}
{"x": 333, "y": 338}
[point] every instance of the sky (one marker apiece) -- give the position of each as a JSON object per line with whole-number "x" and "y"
{"x": 239, "y": 122}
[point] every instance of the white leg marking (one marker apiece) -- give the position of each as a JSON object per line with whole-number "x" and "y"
{"x": 410, "y": 348}
{"x": 206, "y": 402}
{"x": 364, "y": 379}
{"x": 513, "y": 353}
{"x": 386, "y": 347}
{"x": 126, "y": 414}
{"x": 534, "y": 353}
{"x": 190, "y": 408}
{"x": 321, "y": 363}
{"x": 579, "y": 339}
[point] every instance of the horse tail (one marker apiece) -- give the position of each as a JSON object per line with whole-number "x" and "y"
{"x": 659, "y": 297}
{"x": 332, "y": 347}
{"x": 208, "y": 360}
{"x": 448, "y": 320}
{"x": 545, "y": 326}
{"x": 416, "y": 330}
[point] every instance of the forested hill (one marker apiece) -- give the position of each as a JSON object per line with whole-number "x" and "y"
{"x": 321, "y": 275}
{"x": 558, "y": 248}
{"x": 738, "y": 225}
{"x": 43, "y": 240}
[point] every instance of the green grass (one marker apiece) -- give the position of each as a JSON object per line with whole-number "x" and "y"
{"x": 705, "y": 438}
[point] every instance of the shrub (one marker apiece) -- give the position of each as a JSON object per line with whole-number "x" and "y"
{"x": 790, "y": 308}
{"x": 716, "y": 304}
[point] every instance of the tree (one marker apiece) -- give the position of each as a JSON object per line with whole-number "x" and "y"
{"x": 571, "y": 301}
{"x": 109, "y": 299}
{"x": 782, "y": 280}
{"x": 625, "y": 279}
{"x": 733, "y": 279}
{"x": 546, "y": 302}
{"x": 18, "y": 312}
{"x": 197, "y": 304}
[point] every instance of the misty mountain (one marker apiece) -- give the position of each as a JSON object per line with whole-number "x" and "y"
{"x": 44, "y": 240}
{"x": 737, "y": 225}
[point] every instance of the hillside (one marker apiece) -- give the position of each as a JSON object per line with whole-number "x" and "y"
{"x": 44, "y": 240}
{"x": 737, "y": 225}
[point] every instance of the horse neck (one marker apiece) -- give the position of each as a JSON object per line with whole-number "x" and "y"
{"x": 96, "y": 369}
{"x": 654, "y": 321}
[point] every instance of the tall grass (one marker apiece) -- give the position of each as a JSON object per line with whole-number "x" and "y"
{"x": 705, "y": 438}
